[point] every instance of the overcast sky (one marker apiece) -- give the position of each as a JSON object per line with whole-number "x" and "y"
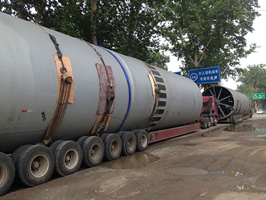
{"x": 258, "y": 36}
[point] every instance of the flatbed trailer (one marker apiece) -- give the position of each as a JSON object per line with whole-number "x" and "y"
{"x": 156, "y": 136}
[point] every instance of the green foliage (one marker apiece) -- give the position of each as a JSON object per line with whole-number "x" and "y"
{"x": 129, "y": 27}
{"x": 69, "y": 17}
{"x": 25, "y": 9}
{"x": 204, "y": 33}
{"x": 209, "y": 33}
{"x": 253, "y": 81}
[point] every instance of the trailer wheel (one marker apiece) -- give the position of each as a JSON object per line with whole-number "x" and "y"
{"x": 7, "y": 173}
{"x": 204, "y": 124}
{"x": 55, "y": 144}
{"x": 17, "y": 152}
{"x": 121, "y": 133}
{"x": 35, "y": 165}
{"x": 113, "y": 147}
{"x": 215, "y": 122}
{"x": 103, "y": 136}
{"x": 93, "y": 151}
{"x": 129, "y": 143}
{"x": 68, "y": 158}
{"x": 142, "y": 140}
{"x": 208, "y": 123}
{"x": 81, "y": 140}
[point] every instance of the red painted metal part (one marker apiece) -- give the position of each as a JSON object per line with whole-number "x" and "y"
{"x": 156, "y": 136}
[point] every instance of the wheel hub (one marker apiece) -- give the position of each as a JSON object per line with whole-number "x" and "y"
{"x": 3, "y": 175}
{"x": 68, "y": 158}
{"x": 39, "y": 166}
{"x": 36, "y": 165}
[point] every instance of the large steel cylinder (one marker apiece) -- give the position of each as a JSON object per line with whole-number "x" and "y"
{"x": 30, "y": 74}
{"x": 229, "y": 102}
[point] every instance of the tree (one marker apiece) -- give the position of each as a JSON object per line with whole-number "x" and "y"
{"x": 209, "y": 33}
{"x": 25, "y": 9}
{"x": 253, "y": 81}
{"x": 129, "y": 27}
{"x": 71, "y": 17}
{"x": 93, "y": 21}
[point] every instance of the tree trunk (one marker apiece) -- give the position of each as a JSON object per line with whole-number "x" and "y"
{"x": 93, "y": 21}
{"x": 40, "y": 10}
{"x": 20, "y": 9}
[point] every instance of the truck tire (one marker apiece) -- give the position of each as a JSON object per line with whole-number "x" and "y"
{"x": 208, "y": 122}
{"x": 81, "y": 140}
{"x": 112, "y": 147}
{"x": 121, "y": 133}
{"x": 204, "y": 124}
{"x": 215, "y": 122}
{"x": 129, "y": 143}
{"x": 18, "y": 151}
{"x": 55, "y": 144}
{"x": 68, "y": 158}
{"x": 93, "y": 151}
{"x": 7, "y": 173}
{"x": 142, "y": 140}
{"x": 103, "y": 136}
{"x": 35, "y": 165}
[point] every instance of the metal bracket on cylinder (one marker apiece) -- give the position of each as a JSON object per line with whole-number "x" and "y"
{"x": 158, "y": 107}
{"x": 65, "y": 95}
{"x": 107, "y": 97}
{"x": 107, "y": 94}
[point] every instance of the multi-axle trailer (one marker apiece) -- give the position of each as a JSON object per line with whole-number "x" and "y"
{"x": 65, "y": 102}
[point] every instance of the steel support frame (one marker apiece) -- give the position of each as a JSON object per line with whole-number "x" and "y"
{"x": 160, "y": 135}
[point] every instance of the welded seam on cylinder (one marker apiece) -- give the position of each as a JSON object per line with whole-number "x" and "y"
{"x": 64, "y": 93}
{"x": 128, "y": 84}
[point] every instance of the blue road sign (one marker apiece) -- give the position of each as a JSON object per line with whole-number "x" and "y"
{"x": 179, "y": 73}
{"x": 205, "y": 75}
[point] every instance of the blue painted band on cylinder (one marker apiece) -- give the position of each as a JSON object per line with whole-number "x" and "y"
{"x": 128, "y": 84}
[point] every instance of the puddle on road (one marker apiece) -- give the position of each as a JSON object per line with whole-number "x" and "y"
{"x": 244, "y": 187}
{"x": 137, "y": 160}
{"x": 239, "y": 128}
{"x": 229, "y": 173}
{"x": 259, "y": 130}
{"x": 190, "y": 144}
{"x": 233, "y": 173}
{"x": 191, "y": 171}
{"x": 211, "y": 132}
{"x": 247, "y": 187}
{"x": 248, "y": 128}
{"x": 185, "y": 171}
{"x": 244, "y": 128}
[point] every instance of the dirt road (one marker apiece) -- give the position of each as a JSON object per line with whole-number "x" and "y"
{"x": 227, "y": 163}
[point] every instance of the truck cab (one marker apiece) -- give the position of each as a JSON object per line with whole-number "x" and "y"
{"x": 209, "y": 113}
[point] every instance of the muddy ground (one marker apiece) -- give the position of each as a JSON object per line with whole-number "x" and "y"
{"x": 226, "y": 163}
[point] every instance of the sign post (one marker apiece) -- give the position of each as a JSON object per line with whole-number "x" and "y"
{"x": 178, "y": 73}
{"x": 205, "y": 75}
{"x": 258, "y": 96}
